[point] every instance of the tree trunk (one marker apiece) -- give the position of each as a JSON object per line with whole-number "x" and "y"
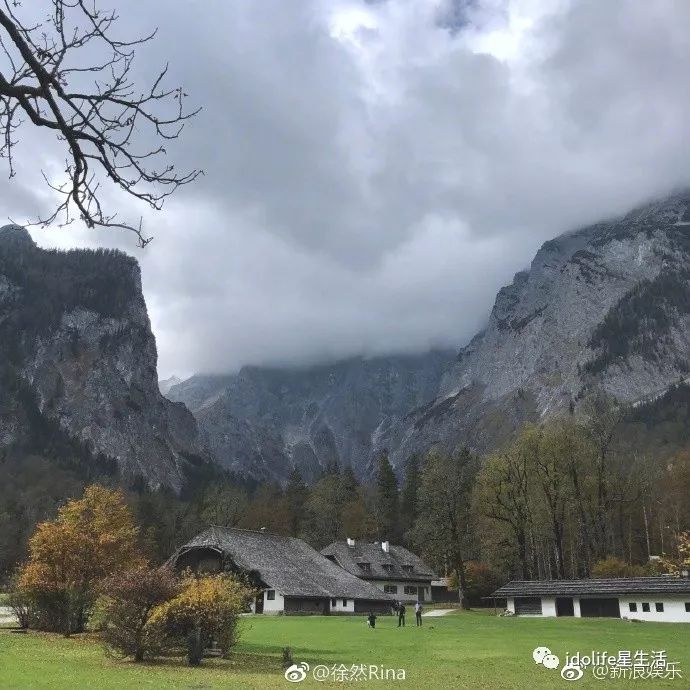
{"x": 195, "y": 647}
{"x": 462, "y": 581}
{"x": 522, "y": 554}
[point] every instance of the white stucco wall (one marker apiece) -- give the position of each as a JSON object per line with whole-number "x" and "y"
{"x": 674, "y": 608}
{"x": 349, "y": 606}
{"x": 576, "y": 608}
{"x": 274, "y": 605}
{"x": 401, "y": 596}
{"x": 548, "y": 607}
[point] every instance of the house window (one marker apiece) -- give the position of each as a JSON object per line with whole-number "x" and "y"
{"x": 344, "y": 603}
{"x": 645, "y": 607}
{"x": 407, "y": 568}
{"x": 387, "y": 567}
{"x": 659, "y": 606}
{"x": 333, "y": 603}
{"x": 365, "y": 567}
{"x": 410, "y": 590}
{"x": 687, "y": 607}
{"x": 270, "y": 594}
{"x": 390, "y": 589}
{"x": 632, "y": 606}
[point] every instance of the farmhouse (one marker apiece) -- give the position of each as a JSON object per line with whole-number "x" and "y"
{"x": 664, "y": 598}
{"x": 392, "y": 569}
{"x": 289, "y": 575}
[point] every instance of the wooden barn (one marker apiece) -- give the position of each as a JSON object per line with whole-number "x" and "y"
{"x": 289, "y": 575}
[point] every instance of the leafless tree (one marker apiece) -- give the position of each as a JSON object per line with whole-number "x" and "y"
{"x": 69, "y": 74}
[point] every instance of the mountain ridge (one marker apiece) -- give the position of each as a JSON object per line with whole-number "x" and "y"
{"x": 605, "y": 307}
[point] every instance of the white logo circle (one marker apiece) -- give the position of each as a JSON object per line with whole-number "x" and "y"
{"x": 539, "y": 653}
{"x": 551, "y": 661}
{"x": 297, "y": 672}
{"x": 572, "y": 672}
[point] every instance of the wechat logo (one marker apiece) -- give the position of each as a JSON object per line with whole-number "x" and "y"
{"x": 297, "y": 672}
{"x": 543, "y": 656}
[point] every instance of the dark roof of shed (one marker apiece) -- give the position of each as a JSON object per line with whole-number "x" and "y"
{"x": 367, "y": 552}
{"x": 289, "y": 565}
{"x": 663, "y": 584}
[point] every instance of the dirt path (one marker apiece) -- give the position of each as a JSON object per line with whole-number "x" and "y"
{"x": 437, "y": 612}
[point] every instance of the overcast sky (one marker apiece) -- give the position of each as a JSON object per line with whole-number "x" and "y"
{"x": 376, "y": 170}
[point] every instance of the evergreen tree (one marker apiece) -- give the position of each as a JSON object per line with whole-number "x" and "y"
{"x": 409, "y": 494}
{"x": 296, "y": 494}
{"x": 387, "y": 501}
{"x": 349, "y": 484}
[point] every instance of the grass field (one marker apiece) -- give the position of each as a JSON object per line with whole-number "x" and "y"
{"x": 463, "y": 650}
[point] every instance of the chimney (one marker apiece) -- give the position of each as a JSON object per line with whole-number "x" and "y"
{"x": 351, "y": 543}
{"x": 386, "y": 546}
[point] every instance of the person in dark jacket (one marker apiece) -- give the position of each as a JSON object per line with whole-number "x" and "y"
{"x": 371, "y": 620}
{"x": 418, "y": 613}
{"x": 401, "y": 615}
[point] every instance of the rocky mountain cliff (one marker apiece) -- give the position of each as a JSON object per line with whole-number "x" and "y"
{"x": 262, "y": 422}
{"x": 607, "y": 306}
{"x": 78, "y": 361}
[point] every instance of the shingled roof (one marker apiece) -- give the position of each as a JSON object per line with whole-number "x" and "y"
{"x": 285, "y": 564}
{"x": 663, "y": 584}
{"x": 349, "y": 558}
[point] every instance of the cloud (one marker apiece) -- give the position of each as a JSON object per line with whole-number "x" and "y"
{"x": 375, "y": 171}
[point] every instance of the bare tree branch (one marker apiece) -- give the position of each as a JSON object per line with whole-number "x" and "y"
{"x": 43, "y": 78}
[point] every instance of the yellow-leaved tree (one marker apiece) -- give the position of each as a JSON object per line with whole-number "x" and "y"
{"x": 205, "y": 611}
{"x": 676, "y": 565}
{"x": 90, "y": 539}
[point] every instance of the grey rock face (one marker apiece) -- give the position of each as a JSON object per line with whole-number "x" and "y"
{"x": 262, "y": 421}
{"x": 75, "y": 332}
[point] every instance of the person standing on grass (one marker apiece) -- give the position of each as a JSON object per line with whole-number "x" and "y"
{"x": 418, "y": 613}
{"x": 401, "y": 615}
{"x": 371, "y": 620}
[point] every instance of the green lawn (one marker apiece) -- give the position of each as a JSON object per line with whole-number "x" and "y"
{"x": 460, "y": 650}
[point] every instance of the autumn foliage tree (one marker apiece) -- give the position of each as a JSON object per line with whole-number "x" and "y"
{"x": 205, "y": 611}
{"x": 91, "y": 538}
{"x": 128, "y": 601}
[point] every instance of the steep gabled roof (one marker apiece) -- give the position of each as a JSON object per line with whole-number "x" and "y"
{"x": 349, "y": 557}
{"x": 663, "y": 584}
{"x": 285, "y": 564}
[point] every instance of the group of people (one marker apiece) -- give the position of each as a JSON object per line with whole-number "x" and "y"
{"x": 399, "y": 610}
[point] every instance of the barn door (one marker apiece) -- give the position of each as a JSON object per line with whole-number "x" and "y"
{"x": 599, "y": 608}
{"x": 564, "y": 606}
